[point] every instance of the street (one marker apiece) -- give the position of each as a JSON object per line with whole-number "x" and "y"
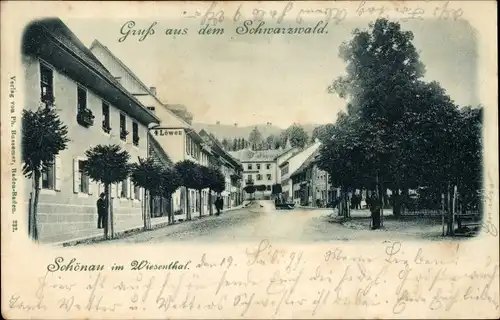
{"x": 261, "y": 221}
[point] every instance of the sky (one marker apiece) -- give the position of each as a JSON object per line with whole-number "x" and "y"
{"x": 280, "y": 79}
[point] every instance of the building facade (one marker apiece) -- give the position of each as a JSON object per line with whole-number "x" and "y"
{"x": 61, "y": 71}
{"x": 230, "y": 167}
{"x": 259, "y": 169}
{"x": 288, "y": 167}
{"x": 174, "y": 135}
{"x": 310, "y": 184}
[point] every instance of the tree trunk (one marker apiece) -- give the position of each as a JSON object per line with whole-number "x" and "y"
{"x": 210, "y": 208}
{"x": 201, "y": 203}
{"x": 34, "y": 227}
{"x": 107, "y": 217}
{"x": 397, "y": 203}
{"x": 449, "y": 228}
{"x": 144, "y": 205}
{"x": 188, "y": 208}
{"x": 149, "y": 203}
{"x": 170, "y": 206}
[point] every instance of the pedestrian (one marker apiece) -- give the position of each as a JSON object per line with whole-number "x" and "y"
{"x": 217, "y": 205}
{"x": 101, "y": 210}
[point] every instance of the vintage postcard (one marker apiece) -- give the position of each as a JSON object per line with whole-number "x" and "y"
{"x": 253, "y": 160}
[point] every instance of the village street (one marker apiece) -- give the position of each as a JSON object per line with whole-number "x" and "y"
{"x": 261, "y": 221}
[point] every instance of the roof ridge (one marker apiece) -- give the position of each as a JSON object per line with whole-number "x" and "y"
{"x": 127, "y": 69}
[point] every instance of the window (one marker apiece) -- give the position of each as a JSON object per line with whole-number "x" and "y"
{"x": 268, "y": 166}
{"x": 46, "y": 85}
{"x": 258, "y": 166}
{"x": 268, "y": 188}
{"x": 269, "y": 176}
{"x": 123, "y": 127}
{"x": 249, "y": 177}
{"x": 124, "y": 189}
{"x": 259, "y": 177}
{"x": 284, "y": 170}
{"x": 135, "y": 133}
{"x": 152, "y": 108}
{"x": 84, "y": 179}
{"x": 49, "y": 177}
{"x": 106, "y": 127}
{"x": 249, "y": 166}
{"x": 81, "y": 99}
{"x": 188, "y": 150}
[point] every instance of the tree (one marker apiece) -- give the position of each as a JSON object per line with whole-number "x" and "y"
{"x": 255, "y": 139}
{"x": 225, "y": 143}
{"x": 382, "y": 69}
{"x": 261, "y": 188}
{"x": 170, "y": 182}
{"x": 107, "y": 164}
{"x": 147, "y": 174}
{"x": 273, "y": 141}
{"x": 44, "y": 135}
{"x": 217, "y": 184}
{"x": 203, "y": 182}
{"x": 296, "y": 135}
{"x": 323, "y": 133}
{"x": 191, "y": 178}
{"x": 250, "y": 189}
{"x": 235, "y": 147}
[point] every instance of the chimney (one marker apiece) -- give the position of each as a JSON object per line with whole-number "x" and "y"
{"x": 153, "y": 90}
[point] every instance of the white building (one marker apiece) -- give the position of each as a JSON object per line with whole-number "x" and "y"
{"x": 97, "y": 111}
{"x": 290, "y": 166}
{"x": 175, "y": 136}
{"x": 260, "y": 168}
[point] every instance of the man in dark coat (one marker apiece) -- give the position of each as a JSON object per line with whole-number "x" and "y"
{"x": 218, "y": 205}
{"x": 101, "y": 211}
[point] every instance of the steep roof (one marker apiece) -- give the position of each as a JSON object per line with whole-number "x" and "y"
{"x": 307, "y": 163}
{"x": 96, "y": 43}
{"x": 38, "y": 37}
{"x": 215, "y": 143}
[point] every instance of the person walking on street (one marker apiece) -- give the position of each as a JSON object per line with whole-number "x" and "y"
{"x": 218, "y": 205}
{"x": 101, "y": 210}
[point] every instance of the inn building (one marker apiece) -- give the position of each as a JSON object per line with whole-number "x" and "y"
{"x": 61, "y": 72}
{"x": 174, "y": 137}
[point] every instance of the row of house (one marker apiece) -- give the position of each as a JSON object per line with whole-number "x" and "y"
{"x": 289, "y": 174}
{"x": 103, "y": 102}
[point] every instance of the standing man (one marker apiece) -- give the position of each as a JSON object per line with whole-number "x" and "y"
{"x": 101, "y": 211}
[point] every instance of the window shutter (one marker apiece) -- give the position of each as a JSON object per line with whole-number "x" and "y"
{"x": 76, "y": 176}
{"x": 57, "y": 182}
{"x": 140, "y": 193}
{"x": 113, "y": 190}
{"x": 129, "y": 188}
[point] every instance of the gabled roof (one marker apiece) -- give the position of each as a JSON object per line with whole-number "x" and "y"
{"x": 96, "y": 43}
{"x": 307, "y": 163}
{"x": 216, "y": 144}
{"x": 158, "y": 152}
{"x": 51, "y": 40}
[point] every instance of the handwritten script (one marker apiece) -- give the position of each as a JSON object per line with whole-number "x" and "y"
{"x": 267, "y": 280}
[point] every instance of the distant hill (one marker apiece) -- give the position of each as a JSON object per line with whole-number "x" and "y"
{"x": 230, "y": 132}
